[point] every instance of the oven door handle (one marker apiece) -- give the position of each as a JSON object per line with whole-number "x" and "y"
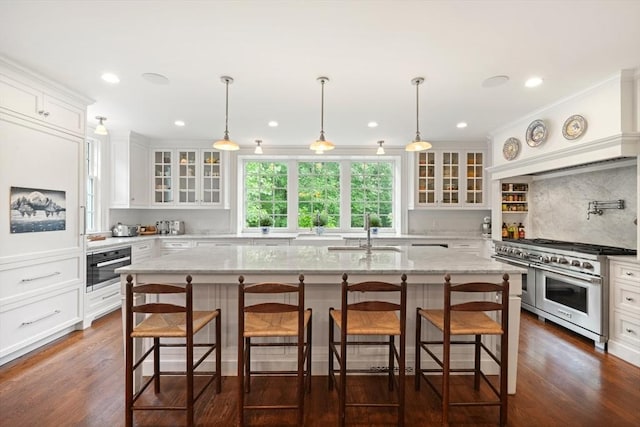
{"x": 113, "y": 261}
{"x": 583, "y": 277}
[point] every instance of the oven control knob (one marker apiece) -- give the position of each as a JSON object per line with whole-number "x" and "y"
{"x": 587, "y": 265}
{"x": 562, "y": 261}
{"x": 517, "y": 252}
{"x": 575, "y": 263}
{"x": 545, "y": 259}
{"x": 554, "y": 259}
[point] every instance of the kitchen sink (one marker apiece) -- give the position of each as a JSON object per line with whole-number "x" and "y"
{"x": 361, "y": 249}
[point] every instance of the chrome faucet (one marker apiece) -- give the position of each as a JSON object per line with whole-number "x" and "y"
{"x": 367, "y": 226}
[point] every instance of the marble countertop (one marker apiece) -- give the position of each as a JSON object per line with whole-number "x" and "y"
{"x": 318, "y": 260}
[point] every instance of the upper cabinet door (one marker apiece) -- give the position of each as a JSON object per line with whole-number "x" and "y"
{"x": 210, "y": 186}
{"x": 187, "y": 177}
{"x": 450, "y": 179}
{"x": 32, "y": 102}
{"x": 162, "y": 176}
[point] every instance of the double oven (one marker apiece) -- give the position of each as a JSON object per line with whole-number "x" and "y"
{"x": 101, "y": 265}
{"x": 566, "y": 282}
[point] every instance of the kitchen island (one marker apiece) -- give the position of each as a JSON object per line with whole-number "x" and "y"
{"x": 215, "y": 272}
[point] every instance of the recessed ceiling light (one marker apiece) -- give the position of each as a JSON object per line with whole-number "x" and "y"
{"x": 179, "y": 123}
{"x": 372, "y": 124}
{"x": 110, "y": 78}
{"x": 273, "y": 124}
{"x": 461, "y": 125}
{"x": 155, "y": 78}
{"x": 533, "y": 82}
{"x": 495, "y": 81}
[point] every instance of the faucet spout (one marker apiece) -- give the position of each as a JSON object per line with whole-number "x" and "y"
{"x": 367, "y": 226}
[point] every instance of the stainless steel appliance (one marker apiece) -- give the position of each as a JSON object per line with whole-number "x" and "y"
{"x": 162, "y": 227}
{"x": 101, "y": 265}
{"x": 176, "y": 227}
{"x": 122, "y": 230}
{"x": 486, "y": 226}
{"x": 567, "y": 283}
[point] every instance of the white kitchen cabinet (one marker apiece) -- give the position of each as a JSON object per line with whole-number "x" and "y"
{"x": 31, "y": 101}
{"x": 42, "y": 273}
{"x": 129, "y": 171}
{"x": 100, "y": 302}
{"x": 142, "y": 251}
{"x": 171, "y": 246}
{"x": 447, "y": 179}
{"x": 187, "y": 178}
{"x": 624, "y": 318}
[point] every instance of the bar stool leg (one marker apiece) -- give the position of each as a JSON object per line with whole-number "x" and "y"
{"x": 247, "y": 365}
{"x": 331, "y": 343}
{"x": 476, "y": 369}
{"x": 446, "y": 353}
{"x": 391, "y": 362}
{"x": 241, "y": 359}
{"x": 189, "y": 379}
{"x": 418, "y": 373}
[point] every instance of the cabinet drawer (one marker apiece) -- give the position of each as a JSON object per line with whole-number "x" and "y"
{"x": 626, "y": 271}
{"x": 28, "y": 323}
{"x": 31, "y": 278}
{"x": 105, "y": 299}
{"x": 627, "y": 297}
{"x": 626, "y": 328}
{"x": 175, "y": 244}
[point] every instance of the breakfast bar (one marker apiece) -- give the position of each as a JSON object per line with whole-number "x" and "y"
{"x": 215, "y": 272}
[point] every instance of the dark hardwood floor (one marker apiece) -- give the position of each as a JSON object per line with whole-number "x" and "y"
{"x": 562, "y": 381}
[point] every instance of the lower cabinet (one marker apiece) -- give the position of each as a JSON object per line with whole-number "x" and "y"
{"x": 31, "y": 323}
{"x": 170, "y": 246}
{"x": 624, "y": 316}
{"x": 100, "y": 302}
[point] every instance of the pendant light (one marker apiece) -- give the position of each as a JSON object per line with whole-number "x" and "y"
{"x": 225, "y": 143}
{"x": 417, "y": 144}
{"x": 322, "y": 145}
{"x": 101, "y": 129}
{"x": 380, "y": 148}
{"x": 258, "y": 146}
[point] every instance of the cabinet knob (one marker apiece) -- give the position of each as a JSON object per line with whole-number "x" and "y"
{"x": 628, "y": 299}
{"x": 628, "y": 273}
{"x": 46, "y": 114}
{"x": 41, "y": 112}
{"x": 630, "y": 331}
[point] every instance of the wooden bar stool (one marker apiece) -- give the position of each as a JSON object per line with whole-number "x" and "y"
{"x": 467, "y": 318}
{"x": 167, "y": 320}
{"x": 268, "y": 320}
{"x": 369, "y": 318}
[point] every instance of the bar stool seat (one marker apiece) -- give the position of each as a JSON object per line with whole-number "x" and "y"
{"x": 369, "y": 322}
{"x": 168, "y": 320}
{"x": 467, "y": 318}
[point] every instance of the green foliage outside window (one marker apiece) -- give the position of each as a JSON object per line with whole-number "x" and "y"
{"x": 371, "y": 192}
{"x": 266, "y": 193}
{"x": 318, "y": 193}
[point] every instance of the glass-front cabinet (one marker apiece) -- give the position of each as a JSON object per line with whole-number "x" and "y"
{"x": 162, "y": 177}
{"x": 450, "y": 178}
{"x": 187, "y": 177}
{"x": 211, "y": 191}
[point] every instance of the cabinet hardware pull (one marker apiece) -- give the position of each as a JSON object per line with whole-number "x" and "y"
{"x": 628, "y": 298}
{"x": 40, "y": 318}
{"x": 628, "y": 273}
{"x": 46, "y": 114}
{"x": 41, "y": 112}
{"x": 31, "y": 279}
{"x": 110, "y": 295}
{"x": 630, "y": 331}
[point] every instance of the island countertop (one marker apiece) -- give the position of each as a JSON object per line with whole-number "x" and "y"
{"x": 319, "y": 260}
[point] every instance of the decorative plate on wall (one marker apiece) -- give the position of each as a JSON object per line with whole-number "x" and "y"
{"x": 574, "y": 127}
{"x": 536, "y": 133}
{"x": 511, "y": 148}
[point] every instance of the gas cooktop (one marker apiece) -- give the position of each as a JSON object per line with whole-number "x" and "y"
{"x": 575, "y": 246}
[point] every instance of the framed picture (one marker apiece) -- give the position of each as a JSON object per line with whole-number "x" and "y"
{"x": 34, "y": 210}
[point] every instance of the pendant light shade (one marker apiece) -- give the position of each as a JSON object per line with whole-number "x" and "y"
{"x": 380, "y": 148}
{"x": 258, "y": 146}
{"x": 322, "y": 145}
{"x": 101, "y": 128}
{"x": 225, "y": 143}
{"x": 417, "y": 144}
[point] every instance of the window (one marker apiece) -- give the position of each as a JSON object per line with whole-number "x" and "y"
{"x": 92, "y": 158}
{"x": 318, "y": 193}
{"x": 294, "y": 192}
{"x": 371, "y": 192}
{"x": 266, "y": 193}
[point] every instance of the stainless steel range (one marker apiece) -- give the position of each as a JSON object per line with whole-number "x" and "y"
{"x": 566, "y": 282}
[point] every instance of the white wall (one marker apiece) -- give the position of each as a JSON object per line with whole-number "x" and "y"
{"x": 197, "y": 221}
{"x": 432, "y": 222}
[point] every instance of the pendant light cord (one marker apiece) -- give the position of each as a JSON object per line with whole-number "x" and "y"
{"x": 417, "y": 113}
{"x": 226, "y": 111}
{"x": 322, "y": 111}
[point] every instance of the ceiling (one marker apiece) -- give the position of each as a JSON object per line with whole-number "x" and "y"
{"x": 275, "y": 50}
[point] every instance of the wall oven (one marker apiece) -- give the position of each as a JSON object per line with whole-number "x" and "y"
{"x": 528, "y": 296}
{"x": 101, "y": 265}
